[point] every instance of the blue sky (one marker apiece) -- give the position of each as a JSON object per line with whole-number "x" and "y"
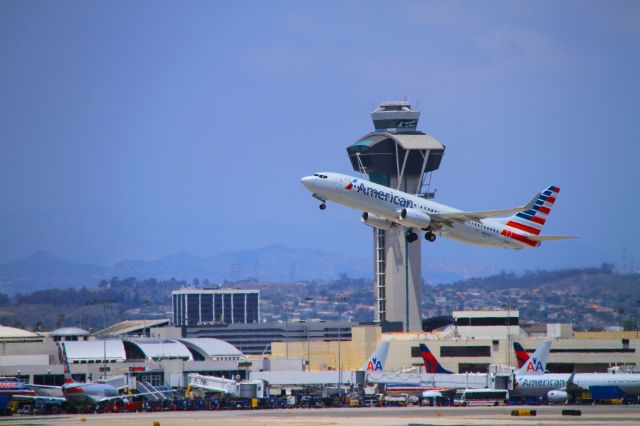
{"x": 141, "y": 129}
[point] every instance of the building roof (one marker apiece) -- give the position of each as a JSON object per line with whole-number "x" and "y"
{"x": 95, "y": 350}
{"x": 69, "y": 331}
{"x": 212, "y": 348}
{"x": 131, "y": 326}
{"x": 162, "y": 349}
{"x": 16, "y": 333}
{"x": 193, "y": 290}
{"x": 419, "y": 141}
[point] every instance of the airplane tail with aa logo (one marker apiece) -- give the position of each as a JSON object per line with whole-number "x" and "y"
{"x": 377, "y": 360}
{"x": 537, "y": 363}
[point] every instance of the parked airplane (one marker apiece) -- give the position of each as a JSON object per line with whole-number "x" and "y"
{"x": 559, "y": 388}
{"x": 431, "y": 364}
{"x": 80, "y": 395}
{"x": 377, "y": 359}
{"x": 385, "y": 208}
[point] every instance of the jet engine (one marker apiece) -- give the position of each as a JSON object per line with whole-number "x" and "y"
{"x": 376, "y": 221}
{"x": 414, "y": 218}
{"x": 557, "y": 397}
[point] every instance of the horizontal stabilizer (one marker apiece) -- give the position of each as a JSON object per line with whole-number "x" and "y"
{"x": 550, "y": 237}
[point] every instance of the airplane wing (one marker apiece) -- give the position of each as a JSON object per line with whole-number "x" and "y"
{"x": 461, "y": 217}
{"x": 38, "y": 397}
{"x": 550, "y": 237}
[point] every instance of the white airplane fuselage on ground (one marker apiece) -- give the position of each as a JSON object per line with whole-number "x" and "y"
{"x": 385, "y": 207}
{"x": 542, "y": 384}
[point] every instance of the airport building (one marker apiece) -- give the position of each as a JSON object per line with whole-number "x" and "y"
{"x": 257, "y": 339}
{"x": 202, "y": 306}
{"x": 472, "y": 341}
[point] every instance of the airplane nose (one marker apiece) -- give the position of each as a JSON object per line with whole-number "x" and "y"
{"x": 306, "y": 181}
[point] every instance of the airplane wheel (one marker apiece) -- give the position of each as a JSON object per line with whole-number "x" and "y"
{"x": 323, "y": 206}
{"x": 412, "y": 237}
{"x": 430, "y": 236}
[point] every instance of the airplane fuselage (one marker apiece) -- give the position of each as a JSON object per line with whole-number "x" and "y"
{"x": 387, "y": 203}
{"x": 88, "y": 393}
{"x": 541, "y": 384}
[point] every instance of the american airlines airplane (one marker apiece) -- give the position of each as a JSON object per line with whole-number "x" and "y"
{"x": 80, "y": 395}
{"x": 385, "y": 208}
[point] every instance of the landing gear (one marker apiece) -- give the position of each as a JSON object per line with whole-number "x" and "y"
{"x": 411, "y": 236}
{"x": 430, "y": 236}
{"x": 323, "y": 206}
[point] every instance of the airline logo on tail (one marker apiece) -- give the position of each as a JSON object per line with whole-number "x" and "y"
{"x": 374, "y": 364}
{"x": 532, "y": 220}
{"x": 537, "y": 363}
{"x": 377, "y": 360}
{"x": 521, "y": 355}
{"x": 68, "y": 379}
{"x": 431, "y": 364}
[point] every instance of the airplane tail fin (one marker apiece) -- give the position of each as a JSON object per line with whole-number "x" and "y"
{"x": 377, "y": 359}
{"x": 531, "y": 221}
{"x": 521, "y": 355}
{"x": 431, "y": 364}
{"x": 67, "y": 371}
{"x": 537, "y": 363}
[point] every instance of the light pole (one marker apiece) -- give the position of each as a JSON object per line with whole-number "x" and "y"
{"x": 104, "y": 303}
{"x": 338, "y": 300}
{"x": 286, "y": 311}
{"x": 308, "y": 299}
{"x": 508, "y": 307}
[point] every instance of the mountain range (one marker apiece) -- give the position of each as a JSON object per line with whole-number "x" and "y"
{"x": 42, "y": 270}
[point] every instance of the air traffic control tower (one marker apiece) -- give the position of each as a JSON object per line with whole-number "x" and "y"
{"x": 397, "y": 155}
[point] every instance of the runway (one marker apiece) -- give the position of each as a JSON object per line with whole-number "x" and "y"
{"x": 546, "y": 415}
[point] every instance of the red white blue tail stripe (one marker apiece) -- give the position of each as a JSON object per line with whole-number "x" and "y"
{"x": 530, "y": 222}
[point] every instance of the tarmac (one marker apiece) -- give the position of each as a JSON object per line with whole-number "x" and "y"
{"x": 414, "y": 416}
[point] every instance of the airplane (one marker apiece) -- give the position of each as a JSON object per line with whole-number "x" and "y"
{"x": 385, "y": 208}
{"x": 431, "y": 364}
{"x": 559, "y": 388}
{"x": 79, "y": 395}
{"x": 377, "y": 359}
{"x": 531, "y": 380}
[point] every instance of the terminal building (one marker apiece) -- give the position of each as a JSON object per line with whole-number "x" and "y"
{"x": 471, "y": 341}
{"x": 196, "y": 306}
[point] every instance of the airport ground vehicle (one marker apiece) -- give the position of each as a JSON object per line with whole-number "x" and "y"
{"x": 481, "y": 397}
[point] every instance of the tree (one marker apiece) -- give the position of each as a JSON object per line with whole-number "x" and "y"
{"x": 628, "y": 325}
